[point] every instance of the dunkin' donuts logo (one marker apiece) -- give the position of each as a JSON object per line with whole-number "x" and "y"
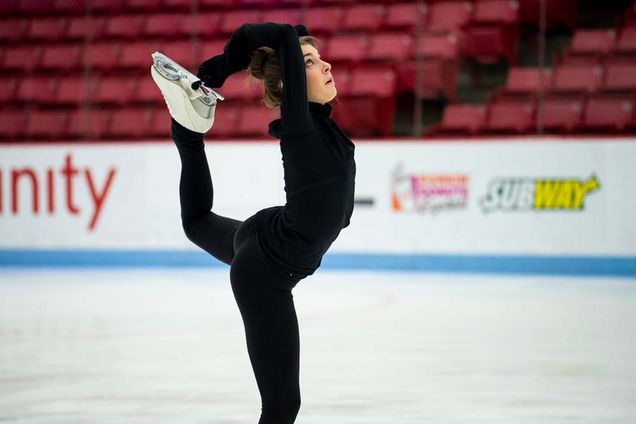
{"x": 511, "y": 194}
{"x": 427, "y": 192}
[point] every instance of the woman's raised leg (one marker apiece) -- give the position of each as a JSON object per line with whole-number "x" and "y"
{"x": 211, "y": 232}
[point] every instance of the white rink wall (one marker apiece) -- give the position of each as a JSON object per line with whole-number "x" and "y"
{"x": 479, "y": 202}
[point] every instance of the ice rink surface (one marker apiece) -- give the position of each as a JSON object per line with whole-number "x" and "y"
{"x": 167, "y": 346}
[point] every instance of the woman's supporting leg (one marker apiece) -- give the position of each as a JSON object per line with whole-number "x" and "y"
{"x": 211, "y": 232}
{"x": 271, "y": 331}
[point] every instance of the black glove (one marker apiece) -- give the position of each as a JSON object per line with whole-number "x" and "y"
{"x": 238, "y": 50}
{"x": 214, "y": 71}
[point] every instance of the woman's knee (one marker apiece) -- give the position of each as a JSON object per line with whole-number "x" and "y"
{"x": 189, "y": 229}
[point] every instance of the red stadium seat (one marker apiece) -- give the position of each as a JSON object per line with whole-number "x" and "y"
{"x": 145, "y": 5}
{"x": 103, "y": 55}
{"x": 209, "y": 49}
{"x": 577, "y": 78}
{"x": 181, "y": 5}
{"x": 373, "y": 82}
{"x": 62, "y": 57}
{"x": 567, "y": 58}
{"x": 217, "y": 4}
{"x": 254, "y": 120}
{"x": 7, "y": 7}
{"x": 390, "y": 46}
{"x": 74, "y": 90}
{"x": 88, "y": 124}
{"x": 296, "y": 2}
{"x": 180, "y": 51}
{"x": 449, "y": 15}
{"x": 35, "y": 7}
{"x": 160, "y": 124}
{"x": 511, "y": 116}
{"x": 463, "y": 118}
{"x": 130, "y": 123}
{"x": 231, "y": 20}
{"x": 324, "y": 19}
{"x": 593, "y": 41}
{"x": 487, "y": 44}
{"x": 81, "y": 27}
{"x": 558, "y": 12}
{"x": 363, "y": 17}
{"x": 365, "y": 116}
{"x": 226, "y": 121}
{"x": 204, "y": 24}
{"x": 347, "y": 48}
{"x": 47, "y": 28}
{"x": 527, "y": 80}
{"x": 282, "y": 16}
{"x": 24, "y": 58}
{"x": 262, "y": 4}
{"x": 342, "y": 79}
{"x": 430, "y": 78}
{"x": 36, "y": 90}
{"x": 407, "y": 16}
{"x": 117, "y": 90}
{"x": 629, "y": 17}
{"x": 165, "y": 25}
{"x": 496, "y": 12}
{"x": 7, "y": 89}
{"x": 125, "y": 26}
{"x": 442, "y": 45}
{"x": 604, "y": 112}
{"x": 620, "y": 77}
{"x": 70, "y": 7}
{"x": 627, "y": 41}
{"x": 110, "y": 6}
{"x": 239, "y": 88}
{"x": 137, "y": 55}
{"x": 148, "y": 92}
{"x": 46, "y": 124}
{"x": 562, "y": 114}
{"x": 13, "y": 29}
{"x": 13, "y": 124}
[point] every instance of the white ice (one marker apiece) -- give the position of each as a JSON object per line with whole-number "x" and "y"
{"x": 167, "y": 346}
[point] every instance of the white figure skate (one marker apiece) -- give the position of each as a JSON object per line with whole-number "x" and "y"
{"x": 189, "y": 101}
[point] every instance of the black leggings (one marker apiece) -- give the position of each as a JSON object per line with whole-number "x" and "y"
{"x": 262, "y": 293}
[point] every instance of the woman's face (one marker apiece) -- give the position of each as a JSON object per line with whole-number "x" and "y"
{"x": 321, "y": 87}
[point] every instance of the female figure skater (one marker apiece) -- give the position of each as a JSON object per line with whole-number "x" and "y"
{"x": 270, "y": 252}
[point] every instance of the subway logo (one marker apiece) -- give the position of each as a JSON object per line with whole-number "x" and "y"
{"x": 513, "y": 194}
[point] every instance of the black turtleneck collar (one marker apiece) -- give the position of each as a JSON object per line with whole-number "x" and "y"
{"x": 323, "y": 111}
{"x": 317, "y": 111}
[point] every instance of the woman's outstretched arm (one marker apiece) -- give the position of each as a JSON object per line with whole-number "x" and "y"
{"x": 284, "y": 39}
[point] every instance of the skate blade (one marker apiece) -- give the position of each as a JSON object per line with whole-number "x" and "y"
{"x": 172, "y": 71}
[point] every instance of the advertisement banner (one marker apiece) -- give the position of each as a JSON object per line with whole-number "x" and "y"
{"x": 559, "y": 197}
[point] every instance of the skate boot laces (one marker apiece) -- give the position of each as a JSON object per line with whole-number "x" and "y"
{"x": 195, "y": 88}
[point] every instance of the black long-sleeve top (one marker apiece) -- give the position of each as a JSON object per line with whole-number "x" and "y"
{"x": 318, "y": 158}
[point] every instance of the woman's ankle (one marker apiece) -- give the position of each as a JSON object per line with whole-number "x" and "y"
{"x": 182, "y": 136}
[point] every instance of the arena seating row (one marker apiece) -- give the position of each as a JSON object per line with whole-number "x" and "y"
{"x": 41, "y": 90}
{"x": 33, "y": 124}
{"x": 618, "y": 75}
{"x": 87, "y": 73}
{"x": 438, "y": 17}
{"x": 437, "y": 13}
{"x": 561, "y": 114}
{"x": 232, "y": 119}
{"x": 611, "y": 74}
{"x": 591, "y": 88}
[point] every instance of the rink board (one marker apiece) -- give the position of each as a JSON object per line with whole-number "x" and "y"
{"x": 521, "y": 205}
